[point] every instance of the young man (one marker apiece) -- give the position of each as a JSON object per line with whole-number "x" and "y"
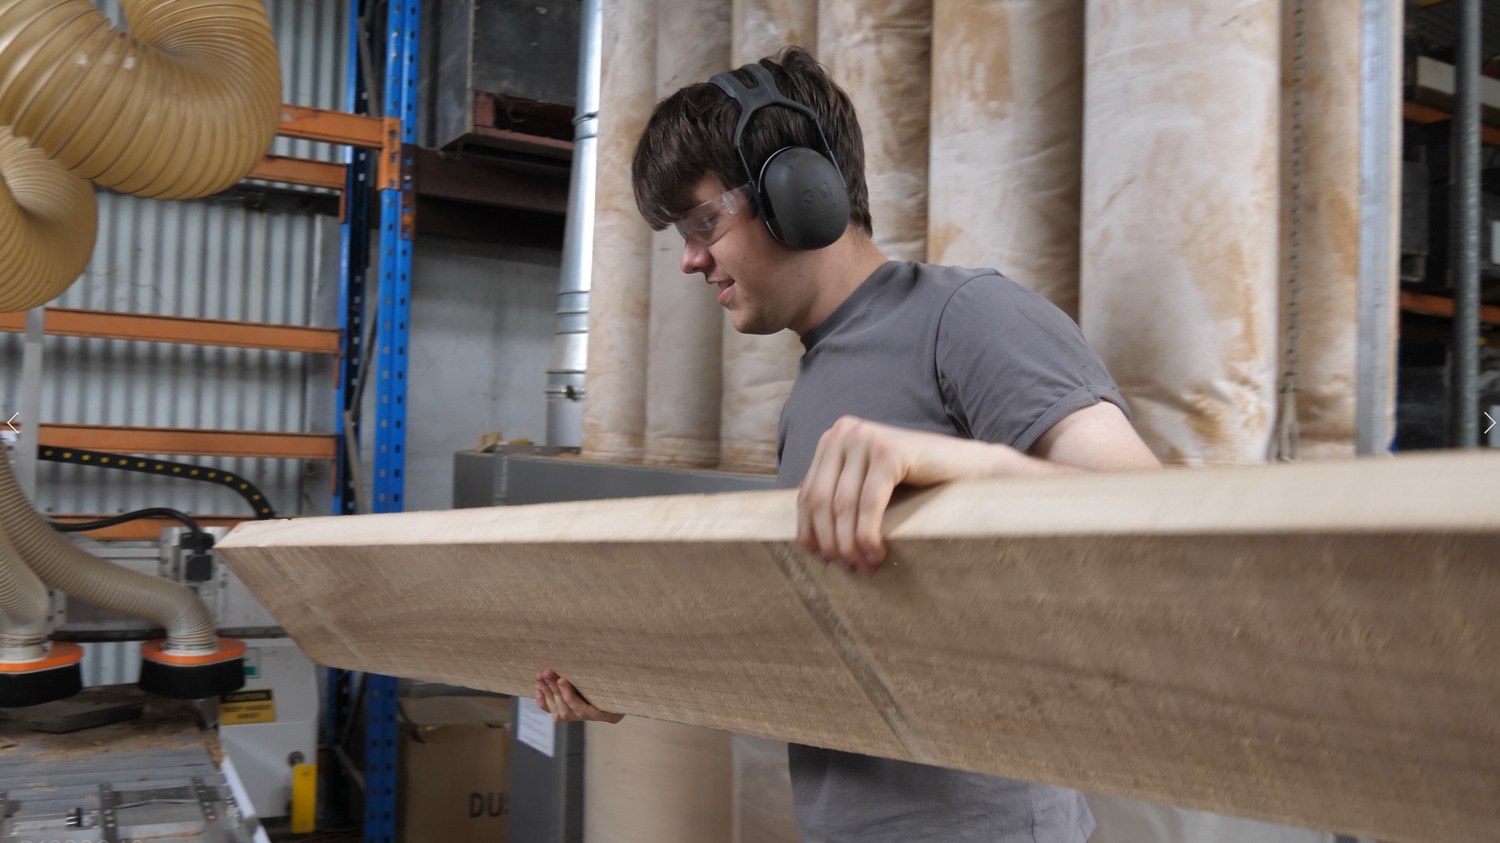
{"x": 913, "y": 374}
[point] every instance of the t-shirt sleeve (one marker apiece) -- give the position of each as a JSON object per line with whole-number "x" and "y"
{"x": 1010, "y": 364}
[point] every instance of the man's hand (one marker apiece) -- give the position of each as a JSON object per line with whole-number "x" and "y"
{"x": 557, "y": 696}
{"x": 858, "y": 464}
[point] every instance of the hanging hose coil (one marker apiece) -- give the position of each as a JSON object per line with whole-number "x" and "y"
{"x": 182, "y": 105}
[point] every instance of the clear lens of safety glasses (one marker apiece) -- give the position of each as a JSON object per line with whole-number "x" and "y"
{"x": 706, "y": 223}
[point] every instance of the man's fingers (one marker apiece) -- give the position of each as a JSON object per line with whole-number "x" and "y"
{"x": 819, "y": 492}
{"x": 561, "y": 711}
{"x": 805, "y": 533}
{"x": 845, "y": 505}
{"x": 574, "y": 700}
{"x": 875, "y": 495}
{"x": 549, "y": 704}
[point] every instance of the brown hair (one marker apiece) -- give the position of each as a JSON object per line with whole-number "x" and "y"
{"x": 691, "y": 135}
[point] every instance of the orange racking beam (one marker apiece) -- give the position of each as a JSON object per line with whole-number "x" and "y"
{"x": 67, "y": 322}
{"x": 169, "y": 440}
{"x": 1441, "y": 306}
{"x": 300, "y": 121}
{"x": 303, "y": 171}
{"x": 1418, "y": 113}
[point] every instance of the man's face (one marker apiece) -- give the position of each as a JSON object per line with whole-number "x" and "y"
{"x": 753, "y": 273}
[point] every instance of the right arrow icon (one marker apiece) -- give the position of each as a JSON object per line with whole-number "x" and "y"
{"x": 1491, "y": 421}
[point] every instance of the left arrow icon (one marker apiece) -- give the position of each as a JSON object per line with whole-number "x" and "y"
{"x": 18, "y": 430}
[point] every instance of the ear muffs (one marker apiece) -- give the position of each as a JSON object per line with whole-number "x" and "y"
{"x": 800, "y": 192}
{"x": 803, "y": 197}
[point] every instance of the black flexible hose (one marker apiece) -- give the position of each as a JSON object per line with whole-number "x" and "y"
{"x": 149, "y": 512}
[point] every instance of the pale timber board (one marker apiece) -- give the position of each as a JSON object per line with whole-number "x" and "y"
{"x": 1310, "y": 644}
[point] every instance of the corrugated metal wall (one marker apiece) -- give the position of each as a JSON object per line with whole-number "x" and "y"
{"x": 204, "y": 258}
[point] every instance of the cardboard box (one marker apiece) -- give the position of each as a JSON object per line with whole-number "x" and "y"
{"x": 455, "y": 769}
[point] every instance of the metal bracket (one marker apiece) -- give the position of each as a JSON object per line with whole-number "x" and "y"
{"x": 408, "y": 187}
{"x": 206, "y": 799}
{"x": 109, "y": 826}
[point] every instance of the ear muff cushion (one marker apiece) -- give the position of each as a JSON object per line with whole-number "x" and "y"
{"x": 808, "y": 204}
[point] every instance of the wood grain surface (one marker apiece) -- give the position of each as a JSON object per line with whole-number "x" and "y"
{"x": 1311, "y": 644}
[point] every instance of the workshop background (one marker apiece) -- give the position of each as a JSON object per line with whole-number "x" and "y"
{"x": 1259, "y": 211}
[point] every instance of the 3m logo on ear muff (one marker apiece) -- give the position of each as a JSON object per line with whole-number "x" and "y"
{"x": 819, "y": 194}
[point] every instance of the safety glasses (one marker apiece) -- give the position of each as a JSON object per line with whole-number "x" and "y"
{"x": 703, "y": 225}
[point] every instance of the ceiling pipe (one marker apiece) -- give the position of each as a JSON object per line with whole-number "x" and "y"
{"x": 568, "y": 367}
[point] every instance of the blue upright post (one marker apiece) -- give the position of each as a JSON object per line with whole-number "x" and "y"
{"x": 354, "y": 238}
{"x": 390, "y": 391}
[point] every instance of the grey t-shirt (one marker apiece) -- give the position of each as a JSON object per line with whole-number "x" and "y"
{"x": 965, "y": 352}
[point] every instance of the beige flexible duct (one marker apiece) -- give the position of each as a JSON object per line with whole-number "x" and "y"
{"x": 183, "y": 105}
{"x": 648, "y": 781}
{"x": 47, "y": 224}
{"x": 1328, "y": 255}
{"x": 75, "y": 572}
{"x": 683, "y": 355}
{"x": 881, "y": 54}
{"x": 614, "y": 407}
{"x": 758, "y": 370}
{"x": 763, "y": 807}
{"x": 1178, "y": 267}
{"x": 23, "y": 607}
{"x": 763, "y": 28}
{"x": 1007, "y": 140}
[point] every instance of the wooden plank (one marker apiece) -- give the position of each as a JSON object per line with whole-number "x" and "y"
{"x": 170, "y": 440}
{"x": 1443, "y": 306}
{"x": 144, "y": 529}
{"x": 69, "y": 322}
{"x": 1315, "y": 644}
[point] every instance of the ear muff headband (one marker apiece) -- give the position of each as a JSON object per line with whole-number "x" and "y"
{"x": 791, "y": 176}
{"x": 754, "y": 99}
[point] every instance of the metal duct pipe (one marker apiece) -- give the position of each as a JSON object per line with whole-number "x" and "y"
{"x": 1380, "y": 127}
{"x": 65, "y": 567}
{"x": 183, "y": 105}
{"x": 1465, "y": 181}
{"x": 23, "y": 606}
{"x": 568, "y": 368}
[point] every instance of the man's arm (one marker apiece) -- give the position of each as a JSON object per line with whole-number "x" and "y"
{"x": 858, "y": 464}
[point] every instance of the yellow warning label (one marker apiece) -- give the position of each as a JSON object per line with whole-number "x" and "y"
{"x": 243, "y": 707}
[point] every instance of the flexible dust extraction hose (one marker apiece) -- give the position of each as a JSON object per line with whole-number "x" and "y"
{"x": 183, "y": 105}
{"x": 23, "y": 607}
{"x": 75, "y": 572}
{"x": 48, "y": 218}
